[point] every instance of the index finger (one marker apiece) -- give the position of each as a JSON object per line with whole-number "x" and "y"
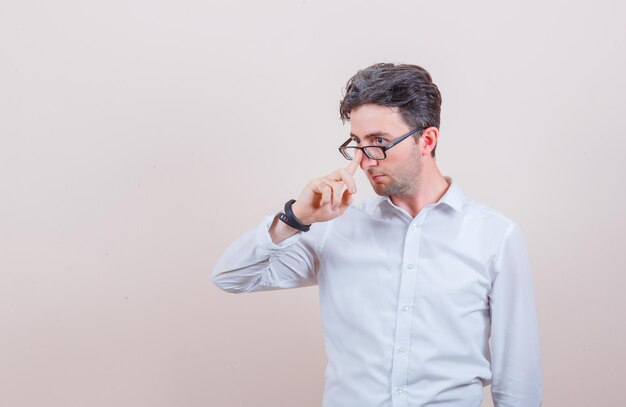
{"x": 354, "y": 164}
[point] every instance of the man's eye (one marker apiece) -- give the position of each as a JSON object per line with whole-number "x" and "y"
{"x": 380, "y": 140}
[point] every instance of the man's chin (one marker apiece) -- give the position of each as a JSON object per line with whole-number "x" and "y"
{"x": 380, "y": 189}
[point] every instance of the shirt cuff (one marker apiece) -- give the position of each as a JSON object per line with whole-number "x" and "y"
{"x": 265, "y": 240}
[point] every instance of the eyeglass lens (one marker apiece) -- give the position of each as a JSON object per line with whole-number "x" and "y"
{"x": 372, "y": 152}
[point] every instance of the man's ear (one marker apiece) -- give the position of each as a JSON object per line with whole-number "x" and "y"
{"x": 430, "y": 136}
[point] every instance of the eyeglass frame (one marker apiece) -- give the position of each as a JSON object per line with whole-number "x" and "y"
{"x": 384, "y": 148}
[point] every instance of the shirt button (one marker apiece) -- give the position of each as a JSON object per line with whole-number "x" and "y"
{"x": 405, "y": 308}
{"x": 414, "y": 226}
{"x": 399, "y": 391}
{"x": 410, "y": 266}
{"x": 401, "y": 350}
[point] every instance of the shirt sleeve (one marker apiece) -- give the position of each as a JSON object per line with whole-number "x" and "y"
{"x": 255, "y": 263}
{"x": 515, "y": 356}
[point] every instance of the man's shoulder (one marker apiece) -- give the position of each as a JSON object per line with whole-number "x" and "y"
{"x": 474, "y": 210}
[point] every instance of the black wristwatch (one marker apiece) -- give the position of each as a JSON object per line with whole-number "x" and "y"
{"x": 290, "y": 219}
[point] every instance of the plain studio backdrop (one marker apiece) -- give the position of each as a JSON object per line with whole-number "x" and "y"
{"x": 138, "y": 139}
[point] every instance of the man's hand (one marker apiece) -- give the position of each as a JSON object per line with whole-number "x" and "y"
{"x": 327, "y": 197}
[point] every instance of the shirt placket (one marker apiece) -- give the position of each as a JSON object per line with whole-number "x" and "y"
{"x": 404, "y": 313}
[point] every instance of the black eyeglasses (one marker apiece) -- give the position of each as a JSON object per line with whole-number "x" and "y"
{"x": 373, "y": 152}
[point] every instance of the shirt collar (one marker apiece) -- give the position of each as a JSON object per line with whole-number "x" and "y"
{"x": 453, "y": 197}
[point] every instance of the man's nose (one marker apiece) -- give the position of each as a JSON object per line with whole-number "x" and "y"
{"x": 367, "y": 162}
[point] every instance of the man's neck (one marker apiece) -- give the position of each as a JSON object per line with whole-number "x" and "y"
{"x": 427, "y": 191}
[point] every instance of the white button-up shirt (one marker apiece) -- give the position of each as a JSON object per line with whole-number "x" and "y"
{"x": 408, "y": 305}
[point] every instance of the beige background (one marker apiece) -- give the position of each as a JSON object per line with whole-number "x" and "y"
{"x": 139, "y": 138}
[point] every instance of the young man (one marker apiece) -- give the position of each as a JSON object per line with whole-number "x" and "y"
{"x": 414, "y": 282}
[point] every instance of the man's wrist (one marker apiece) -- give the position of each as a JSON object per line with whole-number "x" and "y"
{"x": 298, "y": 213}
{"x": 291, "y": 219}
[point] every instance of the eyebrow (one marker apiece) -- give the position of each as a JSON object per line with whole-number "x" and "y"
{"x": 371, "y": 135}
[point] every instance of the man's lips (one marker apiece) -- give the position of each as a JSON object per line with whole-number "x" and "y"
{"x": 377, "y": 177}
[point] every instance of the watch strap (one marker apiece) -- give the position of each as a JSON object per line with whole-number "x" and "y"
{"x": 290, "y": 219}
